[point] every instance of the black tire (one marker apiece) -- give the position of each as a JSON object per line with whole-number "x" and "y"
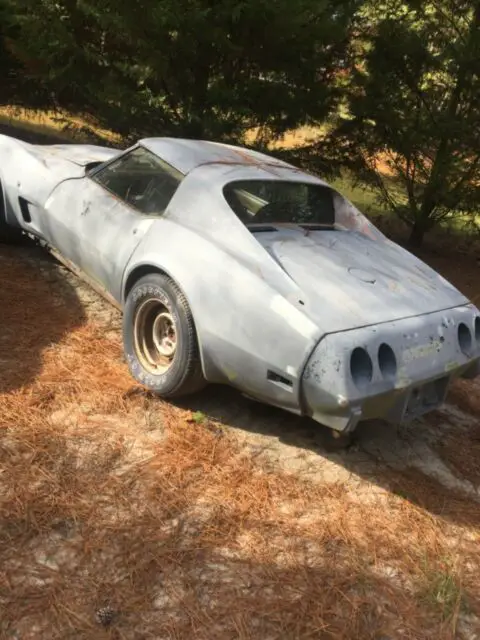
{"x": 8, "y": 234}
{"x": 335, "y": 441}
{"x": 332, "y": 440}
{"x": 157, "y": 316}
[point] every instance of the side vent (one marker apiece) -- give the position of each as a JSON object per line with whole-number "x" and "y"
{"x": 24, "y": 209}
{"x": 275, "y": 377}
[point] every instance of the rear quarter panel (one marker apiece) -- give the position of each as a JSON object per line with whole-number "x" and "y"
{"x": 247, "y": 312}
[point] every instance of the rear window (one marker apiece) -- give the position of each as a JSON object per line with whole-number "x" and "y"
{"x": 268, "y": 202}
{"x": 275, "y": 201}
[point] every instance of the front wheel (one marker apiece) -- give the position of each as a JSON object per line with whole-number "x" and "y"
{"x": 159, "y": 338}
{"x": 10, "y": 235}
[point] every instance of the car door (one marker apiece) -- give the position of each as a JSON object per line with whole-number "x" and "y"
{"x": 97, "y": 221}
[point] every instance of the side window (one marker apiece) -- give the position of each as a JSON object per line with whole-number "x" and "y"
{"x": 142, "y": 180}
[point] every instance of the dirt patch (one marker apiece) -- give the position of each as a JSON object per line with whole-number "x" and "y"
{"x": 466, "y": 395}
{"x": 460, "y": 445}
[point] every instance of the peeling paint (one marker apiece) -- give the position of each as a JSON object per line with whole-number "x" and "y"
{"x": 422, "y": 351}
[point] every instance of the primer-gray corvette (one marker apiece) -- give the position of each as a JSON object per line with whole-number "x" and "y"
{"x": 285, "y": 315}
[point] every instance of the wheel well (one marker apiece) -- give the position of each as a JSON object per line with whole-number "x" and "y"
{"x": 138, "y": 273}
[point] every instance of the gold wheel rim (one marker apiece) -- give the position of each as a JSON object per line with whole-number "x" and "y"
{"x": 155, "y": 336}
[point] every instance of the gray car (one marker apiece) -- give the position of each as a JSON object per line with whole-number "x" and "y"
{"x": 233, "y": 267}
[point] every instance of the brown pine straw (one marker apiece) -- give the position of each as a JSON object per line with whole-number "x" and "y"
{"x": 112, "y": 500}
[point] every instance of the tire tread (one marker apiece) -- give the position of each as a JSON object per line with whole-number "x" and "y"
{"x": 191, "y": 378}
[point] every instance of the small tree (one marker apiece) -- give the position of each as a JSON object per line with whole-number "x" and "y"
{"x": 13, "y": 88}
{"x": 199, "y": 68}
{"x": 414, "y": 106}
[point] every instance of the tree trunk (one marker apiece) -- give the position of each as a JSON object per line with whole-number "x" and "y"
{"x": 417, "y": 234}
{"x": 194, "y": 129}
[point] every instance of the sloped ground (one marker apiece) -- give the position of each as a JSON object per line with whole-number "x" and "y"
{"x": 48, "y": 127}
{"x": 125, "y": 517}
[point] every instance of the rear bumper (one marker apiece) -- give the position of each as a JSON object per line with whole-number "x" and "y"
{"x": 428, "y": 355}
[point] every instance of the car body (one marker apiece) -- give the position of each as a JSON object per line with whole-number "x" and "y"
{"x": 317, "y": 313}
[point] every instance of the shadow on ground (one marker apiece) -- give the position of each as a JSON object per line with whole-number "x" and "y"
{"x": 37, "y": 309}
{"x": 417, "y": 461}
{"x": 33, "y": 137}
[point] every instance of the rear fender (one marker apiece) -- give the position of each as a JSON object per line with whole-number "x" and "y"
{"x": 251, "y": 335}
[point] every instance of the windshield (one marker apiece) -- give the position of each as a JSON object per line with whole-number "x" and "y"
{"x": 289, "y": 202}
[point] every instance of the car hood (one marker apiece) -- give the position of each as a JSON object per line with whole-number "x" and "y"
{"x": 78, "y": 154}
{"x": 348, "y": 280}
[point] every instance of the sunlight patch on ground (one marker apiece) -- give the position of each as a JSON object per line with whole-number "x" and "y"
{"x": 59, "y": 124}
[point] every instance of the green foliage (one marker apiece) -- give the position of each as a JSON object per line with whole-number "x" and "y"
{"x": 413, "y": 105}
{"x": 397, "y": 81}
{"x": 188, "y": 67}
{"x": 443, "y": 589}
{"x": 198, "y": 417}
{"x": 11, "y": 66}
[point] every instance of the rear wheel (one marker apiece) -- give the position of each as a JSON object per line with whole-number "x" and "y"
{"x": 159, "y": 338}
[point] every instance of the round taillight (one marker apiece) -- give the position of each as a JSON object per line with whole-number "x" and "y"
{"x": 361, "y": 367}
{"x": 465, "y": 338}
{"x": 387, "y": 361}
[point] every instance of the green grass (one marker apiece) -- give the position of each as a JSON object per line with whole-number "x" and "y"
{"x": 364, "y": 198}
{"x": 443, "y": 590}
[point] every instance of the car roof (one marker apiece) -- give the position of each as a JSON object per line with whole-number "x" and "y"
{"x": 186, "y": 155}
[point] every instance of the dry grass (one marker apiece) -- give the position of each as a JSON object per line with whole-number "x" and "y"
{"x": 125, "y": 517}
{"x": 60, "y": 125}
{"x": 459, "y": 448}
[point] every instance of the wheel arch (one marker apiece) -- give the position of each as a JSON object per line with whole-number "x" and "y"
{"x": 139, "y": 271}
